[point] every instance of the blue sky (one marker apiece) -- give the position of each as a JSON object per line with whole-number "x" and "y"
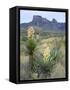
{"x": 27, "y": 15}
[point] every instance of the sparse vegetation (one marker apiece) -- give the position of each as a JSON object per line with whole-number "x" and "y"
{"x": 42, "y": 57}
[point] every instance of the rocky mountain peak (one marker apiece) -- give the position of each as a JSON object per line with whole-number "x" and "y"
{"x": 54, "y": 20}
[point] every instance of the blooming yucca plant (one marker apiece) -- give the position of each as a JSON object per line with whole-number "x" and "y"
{"x": 30, "y": 46}
{"x": 46, "y": 64}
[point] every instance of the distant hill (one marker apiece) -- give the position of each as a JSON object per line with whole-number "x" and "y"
{"x": 44, "y": 24}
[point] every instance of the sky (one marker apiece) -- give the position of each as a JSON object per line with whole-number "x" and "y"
{"x": 27, "y": 15}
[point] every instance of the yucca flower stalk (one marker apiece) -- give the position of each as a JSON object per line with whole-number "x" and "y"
{"x": 31, "y": 45}
{"x": 30, "y": 33}
{"x": 46, "y": 53}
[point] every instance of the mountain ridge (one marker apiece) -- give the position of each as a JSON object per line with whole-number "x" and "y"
{"x": 44, "y": 24}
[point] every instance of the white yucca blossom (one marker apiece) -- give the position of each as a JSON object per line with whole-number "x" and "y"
{"x": 30, "y": 32}
{"x": 46, "y": 53}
